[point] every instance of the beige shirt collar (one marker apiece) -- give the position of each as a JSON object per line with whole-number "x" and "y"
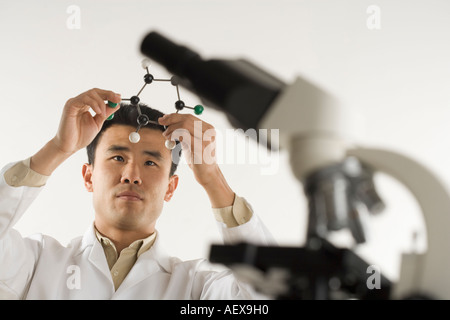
{"x": 138, "y": 246}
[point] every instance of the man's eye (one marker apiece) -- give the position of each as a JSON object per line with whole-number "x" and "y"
{"x": 149, "y": 163}
{"x": 118, "y": 158}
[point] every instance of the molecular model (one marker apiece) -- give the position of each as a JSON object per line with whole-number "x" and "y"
{"x": 142, "y": 119}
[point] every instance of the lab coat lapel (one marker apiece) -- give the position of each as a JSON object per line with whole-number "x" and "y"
{"x": 97, "y": 255}
{"x": 148, "y": 263}
{"x": 98, "y": 259}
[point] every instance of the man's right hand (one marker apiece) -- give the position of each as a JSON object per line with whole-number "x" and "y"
{"x": 77, "y": 128}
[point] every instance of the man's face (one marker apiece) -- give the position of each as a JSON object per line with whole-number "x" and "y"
{"x": 130, "y": 181}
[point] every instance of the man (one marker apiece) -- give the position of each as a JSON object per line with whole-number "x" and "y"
{"x": 120, "y": 255}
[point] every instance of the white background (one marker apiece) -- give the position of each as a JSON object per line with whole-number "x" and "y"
{"x": 396, "y": 78}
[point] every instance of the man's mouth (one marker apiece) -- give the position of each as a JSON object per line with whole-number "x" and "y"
{"x": 129, "y": 196}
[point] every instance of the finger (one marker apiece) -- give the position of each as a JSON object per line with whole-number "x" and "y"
{"x": 111, "y": 110}
{"x": 88, "y": 101}
{"x": 99, "y": 119}
{"x": 107, "y": 95}
{"x": 172, "y": 118}
{"x": 100, "y": 101}
{"x": 189, "y": 122}
{"x": 99, "y": 95}
{"x": 181, "y": 128}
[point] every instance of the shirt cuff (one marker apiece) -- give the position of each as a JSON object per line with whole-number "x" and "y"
{"x": 21, "y": 174}
{"x": 235, "y": 215}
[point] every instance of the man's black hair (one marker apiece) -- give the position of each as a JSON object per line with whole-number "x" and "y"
{"x": 127, "y": 115}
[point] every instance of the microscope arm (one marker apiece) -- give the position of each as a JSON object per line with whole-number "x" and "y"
{"x": 424, "y": 274}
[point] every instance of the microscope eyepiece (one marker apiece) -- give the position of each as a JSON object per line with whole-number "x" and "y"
{"x": 172, "y": 56}
{"x": 237, "y": 87}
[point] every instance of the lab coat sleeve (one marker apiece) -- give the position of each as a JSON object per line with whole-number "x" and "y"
{"x": 254, "y": 231}
{"x": 18, "y": 255}
{"x": 225, "y": 286}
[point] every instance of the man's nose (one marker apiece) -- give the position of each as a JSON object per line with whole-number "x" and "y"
{"x": 131, "y": 174}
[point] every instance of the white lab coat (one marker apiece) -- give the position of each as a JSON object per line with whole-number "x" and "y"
{"x": 39, "y": 267}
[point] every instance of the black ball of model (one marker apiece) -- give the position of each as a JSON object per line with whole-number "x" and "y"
{"x": 134, "y": 100}
{"x": 142, "y": 120}
{"x": 179, "y": 105}
{"x": 148, "y": 78}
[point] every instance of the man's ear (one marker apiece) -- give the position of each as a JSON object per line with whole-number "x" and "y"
{"x": 87, "y": 176}
{"x": 173, "y": 183}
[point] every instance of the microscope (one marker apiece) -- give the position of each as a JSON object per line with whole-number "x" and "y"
{"x": 337, "y": 179}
